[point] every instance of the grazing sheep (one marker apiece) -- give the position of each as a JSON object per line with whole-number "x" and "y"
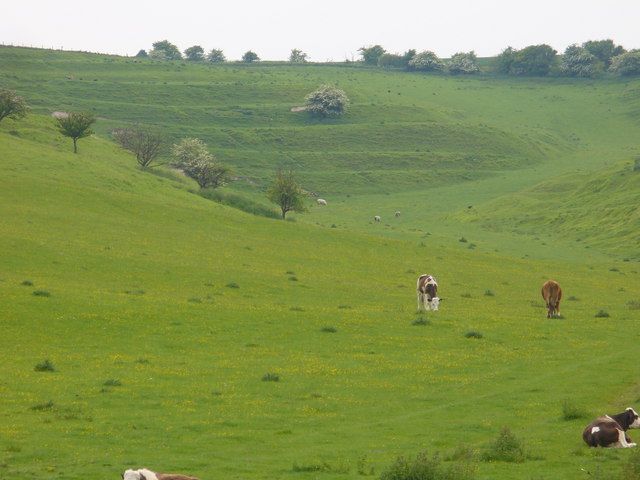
{"x": 146, "y": 474}
{"x": 398, "y": 213}
{"x": 377, "y": 218}
{"x": 321, "y": 201}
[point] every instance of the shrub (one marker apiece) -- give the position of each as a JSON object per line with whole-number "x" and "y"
{"x": 41, "y": 293}
{"x": 371, "y": 55}
{"x": 12, "y": 105}
{"x": 602, "y": 314}
{"x": 216, "y": 56}
{"x": 578, "y": 62}
{"x": 626, "y": 64}
{"x": 250, "y": 57}
{"x": 327, "y": 101}
{"x": 463, "y": 240}
{"x": 532, "y": 60}
{"x": 424, "y": 467}
{"x": 506, "y": 448}
{"x": 473, "y": 334}
{"x": 45, "y": 366}
{"x": 463, "y": 63}
{"x": 271, "y": 377}
{"x": 571, "y": 411}
{"x": 391, "y": 60}
{"x": 426, "y": 61}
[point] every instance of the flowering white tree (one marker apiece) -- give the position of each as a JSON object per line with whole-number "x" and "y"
{"x": 464, "y": 63}
{"x": 426, "y": 61}
{"x": 327, "y": 101}
{"x": 578, "y": 62}
{"x": 297, "y": 56}
{"x": 627, "y": 63}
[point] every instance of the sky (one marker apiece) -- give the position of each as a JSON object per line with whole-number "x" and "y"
{"x": 324, "y": 29}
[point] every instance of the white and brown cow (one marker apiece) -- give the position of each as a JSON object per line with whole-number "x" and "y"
{"x": 427, "y": 288}
{"x": 610, "y": 431}
{"x": 552, "y": 294}
{"x": 146, "y": 474}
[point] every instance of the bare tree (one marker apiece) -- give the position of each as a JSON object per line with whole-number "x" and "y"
{"x": 144, "y": 143}
{"x": 12, "y": 105}
{"x": 76, "y": 125}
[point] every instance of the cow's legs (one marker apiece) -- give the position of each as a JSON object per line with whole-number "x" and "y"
{"x": 622, "y": 441}
{"x": 419, "y": 301}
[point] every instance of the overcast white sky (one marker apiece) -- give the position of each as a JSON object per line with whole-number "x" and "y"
{"x": 324, "y": 29}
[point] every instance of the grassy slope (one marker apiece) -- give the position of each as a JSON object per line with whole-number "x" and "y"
{"x": 90, "y": 228}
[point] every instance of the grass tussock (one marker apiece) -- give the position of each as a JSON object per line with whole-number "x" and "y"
{"x": 45, "y": 366}
{"x": 602, "y": 314}
{"x": 489, "y": 293}
{"x": 320, "y": 467}
{"x": 506, "y": 448}
{"x": 240, "y": 202}
{"x": 421, "y": 322}
{"x": 27, "y": 283}
{"x": 39, "y": 407}
{"x": 41, "y": 293}
{"x": 473, "y": 334}
{"x": 425, "y": 467}
{"x": 571, "y": 411}
{"x": 271, "y": 377}
{"x": 112, "y": 382}
{"x": 329, "y": 329}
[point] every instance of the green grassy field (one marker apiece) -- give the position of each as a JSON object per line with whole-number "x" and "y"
{"x": 166, "y": 310}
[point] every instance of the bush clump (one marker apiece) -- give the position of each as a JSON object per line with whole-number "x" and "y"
{"x": 602, "y": 314}
{"x": 425, "y": 467}
{"x": 473, "y": 334}
{"x": 506, "y": 448}
{"x": 271, "y": 377}
{"x": 327, "y": 101}
{"x": 571, "y": 411}
{"x": 45, "y": 366}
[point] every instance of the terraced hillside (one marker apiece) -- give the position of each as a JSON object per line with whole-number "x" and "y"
{"x": 167, "y": 317}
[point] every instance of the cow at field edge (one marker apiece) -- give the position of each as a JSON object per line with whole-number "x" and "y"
{"x": 552, "y": 294}
{"x": 610, "y": 431}
{"x": 427, "y": 288}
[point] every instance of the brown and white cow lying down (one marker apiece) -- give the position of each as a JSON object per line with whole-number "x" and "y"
{"x": 427, "y": 288}
{"x": 146, "y": 474}
{"x": 609, "y": 431}
{"x": 552, "y": 294}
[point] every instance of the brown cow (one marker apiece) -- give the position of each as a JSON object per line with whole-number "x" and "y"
{"x": 552, "y": 294}
{"x": 610, "y": 430}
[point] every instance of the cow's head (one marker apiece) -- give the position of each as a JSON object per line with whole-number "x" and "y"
{"x": 633, "y": 418}
{"x": 431, "y": 290}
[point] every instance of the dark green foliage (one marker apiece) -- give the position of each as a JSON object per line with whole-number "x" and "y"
{"x": 506, "y": 448}
{"x": 473, "y": 334}
{"x": 164, "y": 50}
{"x": 392, "y": 60}
{"x": 534, "y": 60}
{"x": 240, "y": 202}
{"x": 216, "y": 56}
{"x": 112, "y": 382}
{"x": 76, "y": 125}
{"x": 297, "y": 56}
{"x": 425, "y": 467}
{"x": 12, "y": 105}
{"x": 271, "y": 377}
{"x": 41, "y": 293}
{"x": 286, "y": 193}
{"x": 626, "y": 63}
{"x": 371, "y": 55}
{"x": 142, "y": 54}
{"x": 194, "y": 54}
{"x": 571, "y": 411}
{"x": 602, "y": 314}
{"x": 45, "y": 366}
{"x": 250, "y": 57}
{"x": 603, "y": 50}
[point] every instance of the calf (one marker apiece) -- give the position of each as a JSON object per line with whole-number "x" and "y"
{"x": 552, "y": 294}
{"x": 427, "y": 288}
{"x": 146, "y": 474}
{"x": 609, "y": 431}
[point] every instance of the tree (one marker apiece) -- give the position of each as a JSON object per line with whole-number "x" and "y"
{"x": 531, "y": 60}
{"x": 578, "y": 62}
{"x": 603, "y": 50}
{"x": 250, "y": 57}
{"x": 371, "y": 55}
{"x": 76, "y": 126}
{"x": 297, "y": 56}
{"x": 409, "y": 54}
{"x": 327, "y": 101}
{"x": 286, "y": 193}
{"x": 426, "y": 61}
{"x": 163, "y": 50}
{"x": 216, "y": 56}
{"x": 192, "y": 156}
{"x": 144, "y": 143}
{"x": 626, "y": 64}
{"x": 194, "y": 54}
{"x": 207, "y": 172}
{"x": 142, "y": 54}
{"x": 12, "y": 105}
{"x": 465, "y": 63}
